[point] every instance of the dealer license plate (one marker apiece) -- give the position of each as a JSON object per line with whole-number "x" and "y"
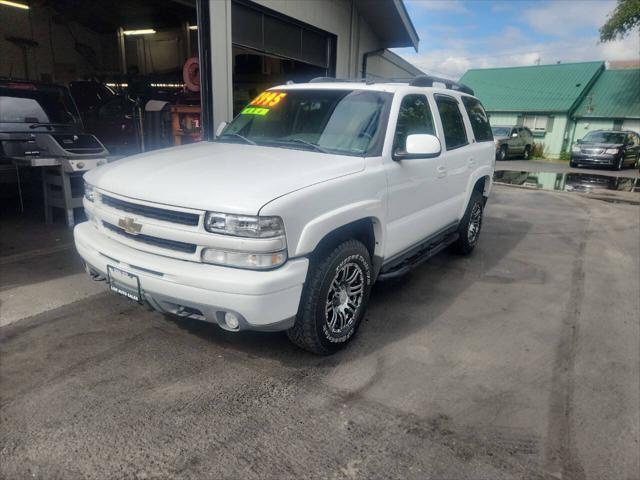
{"x": 124, "y": 283}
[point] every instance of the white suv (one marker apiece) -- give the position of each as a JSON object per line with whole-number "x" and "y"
{"x": 311, "y": 194}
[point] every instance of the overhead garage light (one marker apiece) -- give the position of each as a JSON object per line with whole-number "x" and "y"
{"x": 23, "y": 6}
{"x": 193, "y": 27}
{"x": 144, "y": 31}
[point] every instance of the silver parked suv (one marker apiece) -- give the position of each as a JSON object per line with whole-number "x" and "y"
{"x": 512, "y": 141}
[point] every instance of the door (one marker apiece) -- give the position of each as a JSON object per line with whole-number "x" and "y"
{"x": 459, "y": 161}
{"x": 515, "y": 142}
{"x": 417, "y": 192}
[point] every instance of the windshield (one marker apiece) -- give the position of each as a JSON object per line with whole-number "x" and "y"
{"x": 501, "y": 131}
{"x": 30, "y": 103}
{"x": 604, "y": 137}
{"x": 344, "y": 122}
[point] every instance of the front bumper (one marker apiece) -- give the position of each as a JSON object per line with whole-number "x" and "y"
{"x": 263, "y": 300}
{"x": 604, "y": 160}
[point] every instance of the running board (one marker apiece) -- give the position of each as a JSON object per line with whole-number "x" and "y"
{"x": 417, "y": 257}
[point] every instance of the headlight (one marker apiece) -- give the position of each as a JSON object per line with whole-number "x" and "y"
{"x": 89, "y": 193}
{"x": 612, "y": 151}
{"x": 243, "y": 225}
{"x": 255, "y": 261}
{"x": 575, "y": 149}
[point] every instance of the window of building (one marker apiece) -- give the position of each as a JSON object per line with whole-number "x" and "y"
{"x": 538, "y": 123}
{"x": 455, "y": 134}
{"x": 414, "y": 117}
{"x": 479, "y": 119}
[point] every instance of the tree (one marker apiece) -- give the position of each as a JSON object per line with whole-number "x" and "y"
{"x": 624, "y": 18}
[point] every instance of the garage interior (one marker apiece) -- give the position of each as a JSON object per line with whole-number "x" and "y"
{"x": 132, "y": 71}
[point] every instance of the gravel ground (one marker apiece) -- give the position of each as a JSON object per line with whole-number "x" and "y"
{"x": 519, "y": 362}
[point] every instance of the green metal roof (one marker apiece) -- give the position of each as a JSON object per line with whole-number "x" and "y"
{"x": 537, "y": 88}
{"x": 616, "y": 94}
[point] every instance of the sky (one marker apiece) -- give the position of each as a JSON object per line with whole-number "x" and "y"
{"x": 456, "y": 35}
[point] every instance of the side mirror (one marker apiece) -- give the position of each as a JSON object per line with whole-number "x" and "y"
{"x": 630, "y": 143}
{"x": 514, "y": 135}
{"x": 419, "y": 146}
{"x": 220, "y": 128}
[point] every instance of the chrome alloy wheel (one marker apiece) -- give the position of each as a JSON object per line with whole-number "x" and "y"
{"x": 475, "y": 222}
{"x": 344, "y": 297}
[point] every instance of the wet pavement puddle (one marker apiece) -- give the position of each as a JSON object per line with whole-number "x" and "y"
{"x": 568, "y": 182}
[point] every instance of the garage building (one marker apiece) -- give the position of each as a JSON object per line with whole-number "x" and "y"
{"x": 147, "y": 74}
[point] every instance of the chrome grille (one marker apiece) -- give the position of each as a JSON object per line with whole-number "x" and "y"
{"x": 150, "y": 240}
{"x": 172, "y": 216}
{"x": 593, "y": 151}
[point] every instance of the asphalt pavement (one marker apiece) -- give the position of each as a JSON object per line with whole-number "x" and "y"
{"x": 519, "y": 362}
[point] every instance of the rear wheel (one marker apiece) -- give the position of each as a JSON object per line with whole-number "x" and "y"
{"x": 527, "y": 153}
{"x": 334, "y": 299}
{"x": 470, "y": 225}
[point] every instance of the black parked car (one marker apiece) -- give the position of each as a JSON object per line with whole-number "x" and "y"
{"x": 607, "y": 148}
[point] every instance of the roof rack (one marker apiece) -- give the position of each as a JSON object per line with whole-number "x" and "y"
{"x": 368, "y": 81}
{"x": 419, "y": 81}
{"x": 428, "y": 80}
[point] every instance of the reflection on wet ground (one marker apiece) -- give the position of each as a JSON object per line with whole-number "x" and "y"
{"x": 568, "y": 182}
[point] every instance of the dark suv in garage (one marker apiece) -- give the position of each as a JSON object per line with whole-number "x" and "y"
{"x": 607, "y": 148}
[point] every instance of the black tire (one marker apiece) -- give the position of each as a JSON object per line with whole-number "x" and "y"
{"x": 503, "y": 153}
{"x": 465, "y": 243}
{"x": 573, "y": 164}
{"x": 620, "y": 164}
{"x": 526, "y": 153}
{"x": 313, "y": 330}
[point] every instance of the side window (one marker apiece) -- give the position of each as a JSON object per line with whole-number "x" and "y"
{"x": 479, "y": 119}
{"x": 414, "y": 117}
{"x": 455, "y": 134}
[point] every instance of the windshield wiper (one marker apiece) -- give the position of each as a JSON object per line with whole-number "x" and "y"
{"x": 49, "y": 125}
{"x": 315, "y": 146}
{"x": 241, "y": 137}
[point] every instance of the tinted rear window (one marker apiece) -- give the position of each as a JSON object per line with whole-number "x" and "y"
{"x": 455, "y": 134}
{"x": 479, "y": 120}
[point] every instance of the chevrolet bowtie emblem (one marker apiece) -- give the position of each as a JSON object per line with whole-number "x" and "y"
{"x": 129, "y": 225}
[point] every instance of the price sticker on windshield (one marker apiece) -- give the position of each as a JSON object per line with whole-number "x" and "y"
{"x": 263, "y": 103}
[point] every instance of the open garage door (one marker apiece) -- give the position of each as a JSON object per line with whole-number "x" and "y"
{"x": 270, "y": 48}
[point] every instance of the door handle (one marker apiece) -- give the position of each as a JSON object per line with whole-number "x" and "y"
{"x": 442, "y": 171}
{"x": 471, "y": 162}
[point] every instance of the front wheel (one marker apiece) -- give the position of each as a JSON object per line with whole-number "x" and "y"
{"x": 334, "y": 299}
{"x": 470, "y": 225}
{"x": 527, "y": 153}
{"x": 620, "y": 164}
{"x": 502, "y": 153}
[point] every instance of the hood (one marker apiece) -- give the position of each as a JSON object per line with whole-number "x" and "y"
{"x": 224, "y": 177}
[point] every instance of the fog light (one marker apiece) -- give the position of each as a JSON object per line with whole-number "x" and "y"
{"x": 232, "y": 321}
